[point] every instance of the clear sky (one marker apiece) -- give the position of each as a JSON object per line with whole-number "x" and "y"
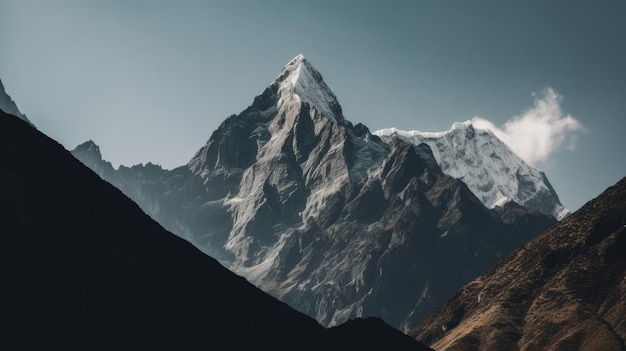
{"x": 150, "y": 80}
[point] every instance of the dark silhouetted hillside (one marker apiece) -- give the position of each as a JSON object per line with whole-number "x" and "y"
{"x": 83, "y": 266}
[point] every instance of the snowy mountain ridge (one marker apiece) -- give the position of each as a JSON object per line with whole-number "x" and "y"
{"x": 492, "y": 170}
{"x": 322, "y": 214}
{"x": 273, "y": 149}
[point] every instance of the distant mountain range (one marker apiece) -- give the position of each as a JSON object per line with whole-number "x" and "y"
{"x": 85, "y": 268}
{"x": 327, "y": 216}
{"x": 564, "y": 290}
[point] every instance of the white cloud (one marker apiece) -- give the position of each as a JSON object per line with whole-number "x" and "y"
{"x": 539, "y": 132}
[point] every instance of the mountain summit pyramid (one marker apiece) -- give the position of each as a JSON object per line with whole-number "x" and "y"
{"x": 301, "y": 81}
{"x": 322, "y": 214}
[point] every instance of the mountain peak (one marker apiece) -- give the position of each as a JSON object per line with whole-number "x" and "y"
{"x": 8, "y": 105}
{"x": 299, "y": 82}
{"x": 89, "y": 147}
{"x": 297, "y": 60}
{"x": 491, "y": 169}
{"x": 462, "y": 125}
{"x": 292, "y": 197}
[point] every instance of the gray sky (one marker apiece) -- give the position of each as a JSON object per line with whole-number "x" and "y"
{"x": 150, "y": 80}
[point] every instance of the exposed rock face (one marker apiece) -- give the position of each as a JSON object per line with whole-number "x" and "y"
{"x": 494, "y": 173}
{"x": 326, "y": 216}
{"x": 89, "y": 154}
{"x": 8, "y": 105}
{"x": 83, "y": 265}
{"x": 564, "y": 290}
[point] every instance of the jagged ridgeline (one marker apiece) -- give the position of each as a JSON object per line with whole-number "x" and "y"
{"x": 8, "y": 105}
{"x": 492, "y": 171}
{"x": 563, "y": 290}
{"x": 84, "y": 267}
{"x": 323, "y": 214}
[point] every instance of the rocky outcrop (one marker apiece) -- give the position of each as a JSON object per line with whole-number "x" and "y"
{"x": 563, "y": 290}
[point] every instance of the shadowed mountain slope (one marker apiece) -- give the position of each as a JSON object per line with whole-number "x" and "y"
{"x": 83, "y": 266}
{"x": 322, "y": 214}
{"x": 564, "y": 290}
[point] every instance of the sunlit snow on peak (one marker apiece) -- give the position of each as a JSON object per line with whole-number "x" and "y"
{"x": 303, "y": 82}
{"x": 489, "y": 167}
{"x": 416, "y": 133}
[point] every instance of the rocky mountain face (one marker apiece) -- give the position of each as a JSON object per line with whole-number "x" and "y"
{"x": 324, "y": 215}
{"x": 564, "y": 290}
{"x": 8, "y": 105}
{"x": 83, "y": 266}
{"x": 494, "y": 173}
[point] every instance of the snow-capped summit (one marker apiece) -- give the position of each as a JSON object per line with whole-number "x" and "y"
{"x": 303, "y": 82}
{"x": 278, "y": 160}
{"x": 8, "y": 105}
{"x": 494, "y": 173}
{"x": 325, "y": 216}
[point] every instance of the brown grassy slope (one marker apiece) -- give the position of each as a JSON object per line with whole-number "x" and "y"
{"x": 564, "y": 290}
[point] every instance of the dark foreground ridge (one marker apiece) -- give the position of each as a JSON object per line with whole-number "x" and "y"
{"x": 564, "y": 290}
{"x": 84, "y": 266}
